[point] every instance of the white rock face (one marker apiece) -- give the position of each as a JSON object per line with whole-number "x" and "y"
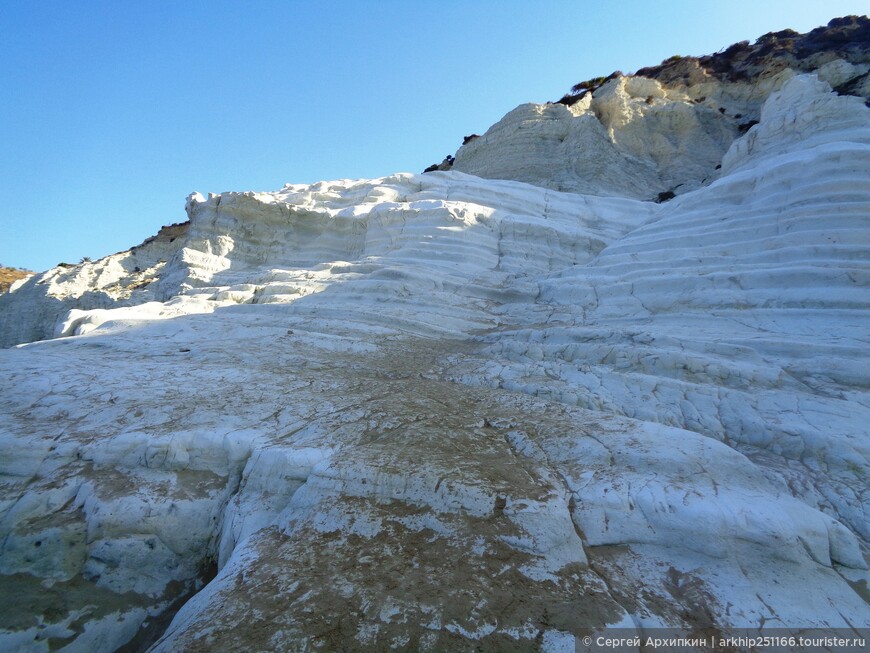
{"x": 34, "y": 307}
{"x": 439, "y": 412}
{"x": 632, "y": 137}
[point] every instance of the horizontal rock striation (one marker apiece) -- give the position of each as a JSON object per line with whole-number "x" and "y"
{"x": 663, "y": 131}
{"x": 35, "y": 308}
{"x": 749, "y": 318}
{"x": 441, "y": 412}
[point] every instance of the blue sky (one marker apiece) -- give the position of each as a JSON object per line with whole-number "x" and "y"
{"x": 112, "y": 112}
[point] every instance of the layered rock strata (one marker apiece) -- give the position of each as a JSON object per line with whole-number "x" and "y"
{"x": 664, "y": 130}
{"x": 440, "y": 412}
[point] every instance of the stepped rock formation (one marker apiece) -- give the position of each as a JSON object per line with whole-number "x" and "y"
{"x": 128, "y": 278}
{"x": 665, "y": 129}
{"x": 447, "y": 412}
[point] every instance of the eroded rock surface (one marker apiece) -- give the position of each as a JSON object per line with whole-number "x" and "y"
{"x": 37, "y": 305}
{"x": 663, "y": 130}
{"x": 439, "y": 412}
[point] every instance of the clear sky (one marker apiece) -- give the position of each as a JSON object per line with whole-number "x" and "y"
{"x": 111, "y": 112}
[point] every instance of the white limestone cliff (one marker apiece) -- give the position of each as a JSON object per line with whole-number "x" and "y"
{"x": 34, "y": 306}
{"x": 440, "y": 412}
{"x": 635, "y": 136}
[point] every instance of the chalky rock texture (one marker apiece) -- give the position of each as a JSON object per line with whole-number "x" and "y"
{"x": 439, "y": 412}
{"x": 37, "y": 305}
{"x": 632, "y": 139}
{"x": 665, "y": 129}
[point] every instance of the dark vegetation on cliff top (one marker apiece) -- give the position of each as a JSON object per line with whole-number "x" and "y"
{"x": 843, "y": 38}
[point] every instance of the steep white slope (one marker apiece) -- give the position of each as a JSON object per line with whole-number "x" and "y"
{"x": 434, "y": 253}
{"x": 632, "y": 136}
{"x": 749, "y": 302}
{"x": 438, "y": 412}
{"x": 633, "y": 139}
{"x": 33, "y": 308}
